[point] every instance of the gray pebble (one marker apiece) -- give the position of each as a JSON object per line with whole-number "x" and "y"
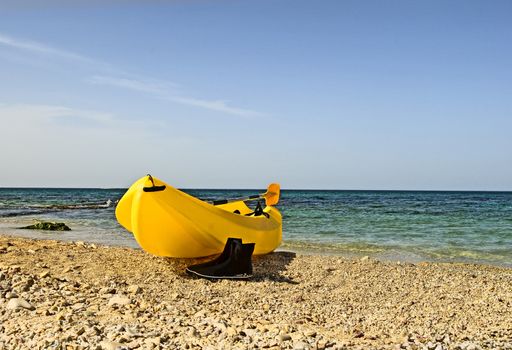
{"x": 17, "y": 303}
{"x": 300, "y": 346}
{"x": 119, "y": 300}
{"x": 134, "y": 289}
{"x": 110, "y": 345}
{"x": 284, "y": 337}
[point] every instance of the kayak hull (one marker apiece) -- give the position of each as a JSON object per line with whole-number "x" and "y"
{"x": 169, "y": 222}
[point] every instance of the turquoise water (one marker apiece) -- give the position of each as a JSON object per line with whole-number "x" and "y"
{"x": 412, "y": 226}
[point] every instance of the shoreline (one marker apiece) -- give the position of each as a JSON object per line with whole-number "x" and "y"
{"x": 384, "y": 254}
{"x": 390, "y": 255}
{"x": 89, "y": 296}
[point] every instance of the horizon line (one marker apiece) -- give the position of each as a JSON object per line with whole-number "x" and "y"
{"x": 256, "y": 189}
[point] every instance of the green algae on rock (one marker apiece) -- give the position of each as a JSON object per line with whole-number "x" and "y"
{"x": 48, "y": 226}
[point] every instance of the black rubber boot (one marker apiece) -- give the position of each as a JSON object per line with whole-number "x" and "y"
{"x": 220, "y": 259}
{"x": 238, "y": 264}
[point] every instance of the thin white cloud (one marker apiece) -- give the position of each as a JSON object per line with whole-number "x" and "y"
{"x": 52, "y": 4}
{"x": 150, "y": 87}
{"x": 44, "y": 49}
{"x": 53, "y": 116}
{"x": 48, "y": 113}
{"x": 164, "y": 91}
{"x": 218, "y": 106}
{"x": 159, "y": 89}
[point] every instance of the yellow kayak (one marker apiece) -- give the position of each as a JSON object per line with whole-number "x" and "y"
{"x": 169, "y": 222}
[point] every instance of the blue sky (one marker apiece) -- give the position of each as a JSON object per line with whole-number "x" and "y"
{"x": 236, "y": 94}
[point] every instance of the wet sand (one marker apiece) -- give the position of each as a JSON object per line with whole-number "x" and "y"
{"x": 75, "y": 295}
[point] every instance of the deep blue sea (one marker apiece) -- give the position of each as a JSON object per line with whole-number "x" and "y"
{"x": 398, "y": 225}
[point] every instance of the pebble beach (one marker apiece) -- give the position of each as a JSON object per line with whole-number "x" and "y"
{"x": 76, "y": 295}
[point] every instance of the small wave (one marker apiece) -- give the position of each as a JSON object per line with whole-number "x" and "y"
{"x": 91, "y": 205}
{"x": 11, "y": 214}
{"x": 332, "y": 247}
{"x": 43, "y": 209}
{"x": 326, "y": 232}
{"x": 103, "y": 205}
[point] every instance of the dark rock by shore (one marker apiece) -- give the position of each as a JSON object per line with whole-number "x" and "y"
{"x": 48, "y": 226}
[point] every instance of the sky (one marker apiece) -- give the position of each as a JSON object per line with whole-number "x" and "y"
{"x": 390, "y": 95}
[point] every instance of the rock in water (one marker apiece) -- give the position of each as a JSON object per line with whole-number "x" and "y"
{"x": 48, "y": 226}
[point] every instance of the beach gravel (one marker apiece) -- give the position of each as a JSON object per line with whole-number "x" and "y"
{"x": 58, "y": 295}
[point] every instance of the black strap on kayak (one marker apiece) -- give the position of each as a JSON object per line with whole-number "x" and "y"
{"x": 258, "y": 211}
{"x": 153, "y": 188}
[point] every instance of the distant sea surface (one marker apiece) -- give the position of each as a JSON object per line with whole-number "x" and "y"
{"x": 473, "y": 227}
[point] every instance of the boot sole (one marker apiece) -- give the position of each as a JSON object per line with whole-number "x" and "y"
{"x": 236, "y": 277}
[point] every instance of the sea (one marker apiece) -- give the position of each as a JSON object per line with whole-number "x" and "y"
{"x": 408, "y": 226}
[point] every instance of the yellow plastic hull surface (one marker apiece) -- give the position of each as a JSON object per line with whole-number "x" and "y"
{"x": 174, "y": 224}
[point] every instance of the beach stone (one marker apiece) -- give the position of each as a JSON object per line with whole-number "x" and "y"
{"x": 28, "y": 284}
{"x": 296, "y": 336}
{"x": 321, "y": 344}
{"x": 134, "y": 289}
{"x": 220, "y": 326}
{"x": 15, "y": 269}
{"x": 17, "y": 303}
{"x": 248, "y": 332}
{"x": 230, "y": 331}
{"x": 44, "y": 274}
{"x": 193, "y": 333}
{"x": 477, "y": 347}
{"x": 467, "y": 345}
{"x": 79, "y": 332}
{"x": 300, "y": 345}
{"x": 45, "y": 312}
{"x": 284, "y": 337}
{"x": 155, "y": 341}
{"x": 119, "y": 300}
{"x": 10, "y": 295}
{"x": 365, "y": 258}
{"x": 132, "y": 332}
{"x": 110, "y": 345}
{"x": 107, "y": 290}
{"x": 134, "y": 344}
{"x": 310, "y": 333}
{"x": 357, "y": 333}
